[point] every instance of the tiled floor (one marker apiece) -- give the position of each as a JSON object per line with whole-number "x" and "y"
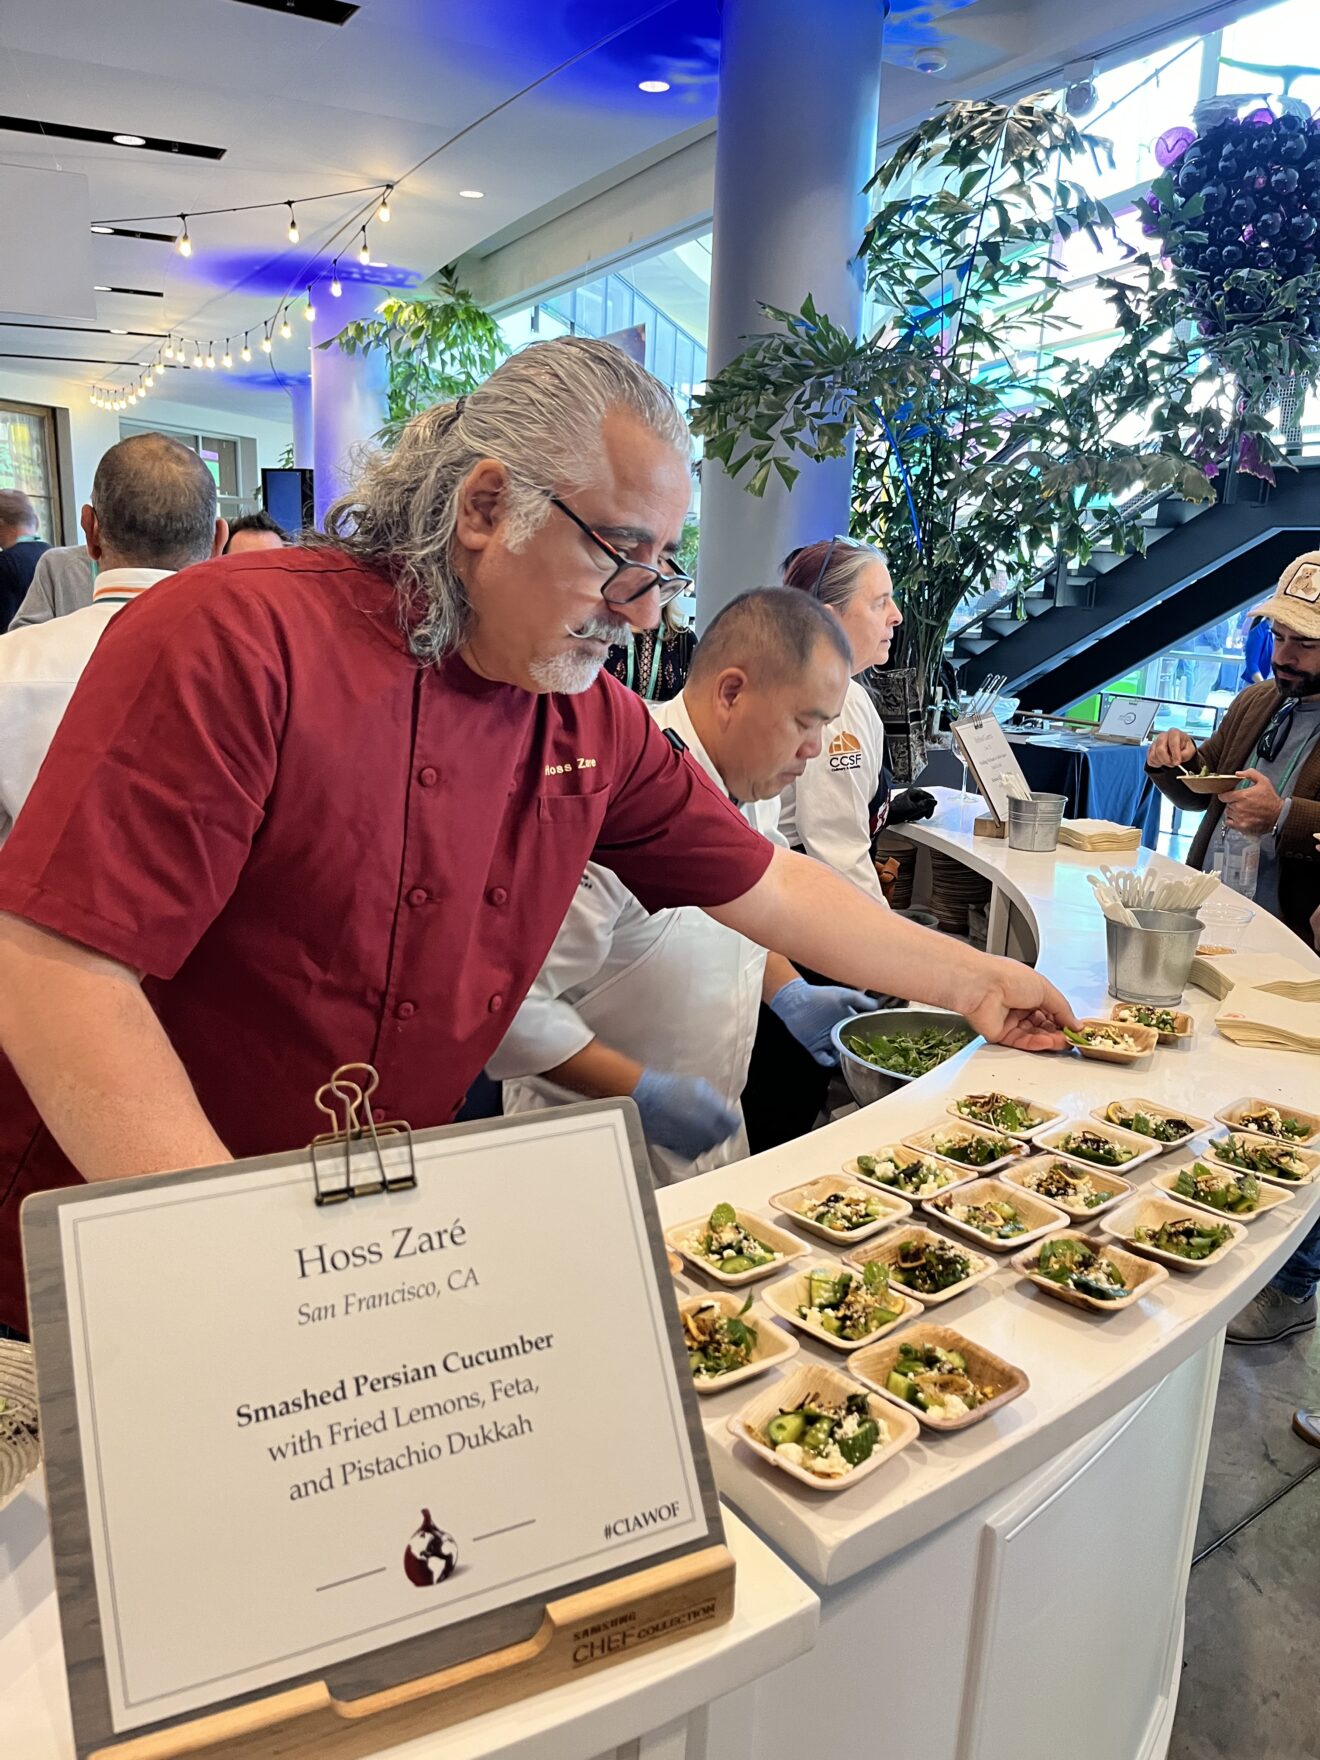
{"x": 1251, "y": 1668}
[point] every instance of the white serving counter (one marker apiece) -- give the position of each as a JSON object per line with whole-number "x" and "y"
{"x": 1012, "y": 1590}
{"x": 1034, "y": 1565}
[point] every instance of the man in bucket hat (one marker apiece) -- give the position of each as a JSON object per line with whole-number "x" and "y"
{"x": 1270, "y": 738}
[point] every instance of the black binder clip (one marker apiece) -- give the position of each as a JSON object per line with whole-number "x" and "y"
{"x": 361, "y": 1156}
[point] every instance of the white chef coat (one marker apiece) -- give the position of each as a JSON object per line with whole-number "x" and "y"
{"x": 677, "y": 991}
{"x": 827, "y": 810}
{"x": 40, "y": 665}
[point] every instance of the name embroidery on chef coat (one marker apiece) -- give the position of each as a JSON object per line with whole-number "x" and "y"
{"x": 569, "y": 768}
{"x": 845, "y": 751}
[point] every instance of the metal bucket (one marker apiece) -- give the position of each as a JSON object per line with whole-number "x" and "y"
{"x": 1152, "y": 962}
{"x": 1034, "y": 824}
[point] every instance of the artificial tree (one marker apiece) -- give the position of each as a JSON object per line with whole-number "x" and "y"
{"x": 440, "y": 347}
{"x": 1237, "y": 210}
{"x": 982, "y": 445}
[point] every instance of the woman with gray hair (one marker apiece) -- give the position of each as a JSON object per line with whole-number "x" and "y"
{"x": 827, "y": 812}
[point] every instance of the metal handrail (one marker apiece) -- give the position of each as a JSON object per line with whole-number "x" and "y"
{"x": 1139, "y": 504}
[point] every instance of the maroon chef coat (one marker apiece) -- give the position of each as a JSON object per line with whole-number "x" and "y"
{"x": 319, "y": 850}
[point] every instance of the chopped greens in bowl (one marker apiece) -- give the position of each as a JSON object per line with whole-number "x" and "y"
{"x": 972, "y": 1150}
{"x": 1269, "y": 1121}
{"x": 929, "y": 1267}
{"x": 996, "y": 1219}
{"x": 914, "y": 1178}
{"x": 908, "y": 1054}
{"x": 1095, "y": 1147}
{"x": 843, "y": 1212}
{"x": 1067, "y": 1186}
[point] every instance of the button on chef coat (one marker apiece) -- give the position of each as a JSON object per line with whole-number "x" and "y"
{"x": 251, "y": 781}
{"x": 676, "y": 991}
{"x": 827, "y": 810}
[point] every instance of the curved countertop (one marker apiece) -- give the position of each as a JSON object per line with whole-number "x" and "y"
{"x": 1084, "y": 1368}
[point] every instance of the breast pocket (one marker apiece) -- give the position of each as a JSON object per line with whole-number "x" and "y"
{"x": 574, "y": 811}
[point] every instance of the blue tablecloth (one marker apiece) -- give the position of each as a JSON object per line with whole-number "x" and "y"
{"x": 1098, "y": 780}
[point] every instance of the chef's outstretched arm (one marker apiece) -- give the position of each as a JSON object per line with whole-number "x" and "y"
{"x": 95, "y": 1060}
{"x": 812, "y": 915}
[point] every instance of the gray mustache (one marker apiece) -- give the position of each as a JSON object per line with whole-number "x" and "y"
{"x": 602, "y": 629}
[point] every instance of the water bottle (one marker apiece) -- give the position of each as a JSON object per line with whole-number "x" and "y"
{"x": 1241, "y": 862}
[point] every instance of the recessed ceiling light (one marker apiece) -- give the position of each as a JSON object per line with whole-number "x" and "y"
{"x": 653, "y": 85}
{"x": 473, "y": 195}
{"x": 103, "y": 229}
{"x": 129, "y": 140}
{"x": 69, "y": 131}
{"x": 115, "y": 332}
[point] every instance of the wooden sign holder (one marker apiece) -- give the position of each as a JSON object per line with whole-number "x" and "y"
{"x": 581, "y": 1632}
{"x": 579, "y": 1635}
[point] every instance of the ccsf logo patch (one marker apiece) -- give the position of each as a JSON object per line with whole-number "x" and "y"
{"x": 845, "y": 751}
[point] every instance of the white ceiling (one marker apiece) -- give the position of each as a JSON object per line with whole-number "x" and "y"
{"x": 303, "y": 108}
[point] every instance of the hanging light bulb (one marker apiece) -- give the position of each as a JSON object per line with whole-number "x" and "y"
{"x": 92, "y": 398}
{"x": 245, "y": 353}
{"x": 294, "y": 234}
{"x": 336, "y": 285}
{"x": 169, "y": 348}
{"x": 197, "y": 356}
{"x": 383, "y": 212}
{"x": 265, "y": 341}
{"x": 309, "y": 310}
{"x": 210, "y": 355}
{"x": 286, "y": 329}
{"x": 226, "y": 359}
{"x": 364, "y": 249}
{"x": 183, "y": 244}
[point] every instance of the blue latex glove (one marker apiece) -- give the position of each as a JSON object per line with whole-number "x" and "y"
{"x": 812, "y": 1011}
{"x": 683, "y": 1113}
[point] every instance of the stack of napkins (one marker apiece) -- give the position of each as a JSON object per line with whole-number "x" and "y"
{"x": 1098, "y": 834}
{"x": 1222, "y": 972}
{"x": 1273, "y": 1017}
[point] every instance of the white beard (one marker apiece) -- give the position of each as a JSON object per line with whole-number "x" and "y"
{"x": 569, "y": 674}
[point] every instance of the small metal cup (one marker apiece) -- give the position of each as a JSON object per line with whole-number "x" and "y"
{"x": 1152, "y": 962}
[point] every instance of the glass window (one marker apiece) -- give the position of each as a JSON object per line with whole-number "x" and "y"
{"x": 27, "y": 462}
{"x": 1274, "y": 53}
{"x": 619, "y": 305}
{"x": 589, "y": 309}
{"x": 665, "y": 337}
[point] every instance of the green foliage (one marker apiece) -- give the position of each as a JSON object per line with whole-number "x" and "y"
{"x": 439, "y": 348}
{"x": 965, "y": 395}
{"x": 1254, "y": 334}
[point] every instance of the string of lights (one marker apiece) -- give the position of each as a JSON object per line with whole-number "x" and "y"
{"x": 311, "y": 273}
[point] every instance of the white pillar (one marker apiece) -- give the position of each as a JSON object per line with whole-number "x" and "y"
{"x": 348, "y": 391}
{"x": 796, "y": 142}
{"x": 300, "y": 400}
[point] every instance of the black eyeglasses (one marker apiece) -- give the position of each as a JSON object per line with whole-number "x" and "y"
{"x": 835, "y": 541}
{"x": 631, "y": 580}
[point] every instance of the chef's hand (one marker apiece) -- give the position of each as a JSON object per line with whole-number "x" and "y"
{"x": 1012, "y": 1005}
{"x": 812, "y": 1011}
{"x": 683, "y": 1113}
{"x": 1170, "y": 749}
{"x": 1255, "y": 808}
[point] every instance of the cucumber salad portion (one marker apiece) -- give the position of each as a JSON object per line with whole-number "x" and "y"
{"x": 935, "y": 1381}
{"x": 847, "y": 1306}
{"x": 727, "y": 1245}
{"x": 826, "y": 1436}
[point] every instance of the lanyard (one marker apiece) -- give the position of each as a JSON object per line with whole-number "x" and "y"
{"x": 649, "y": 692}
{"x": 1295, "y": 763}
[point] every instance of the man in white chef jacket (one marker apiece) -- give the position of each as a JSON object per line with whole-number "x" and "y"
{"x": 665, "y": 1007}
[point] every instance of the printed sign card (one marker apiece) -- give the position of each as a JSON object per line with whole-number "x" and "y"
{"x": 296, "y": 1436}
